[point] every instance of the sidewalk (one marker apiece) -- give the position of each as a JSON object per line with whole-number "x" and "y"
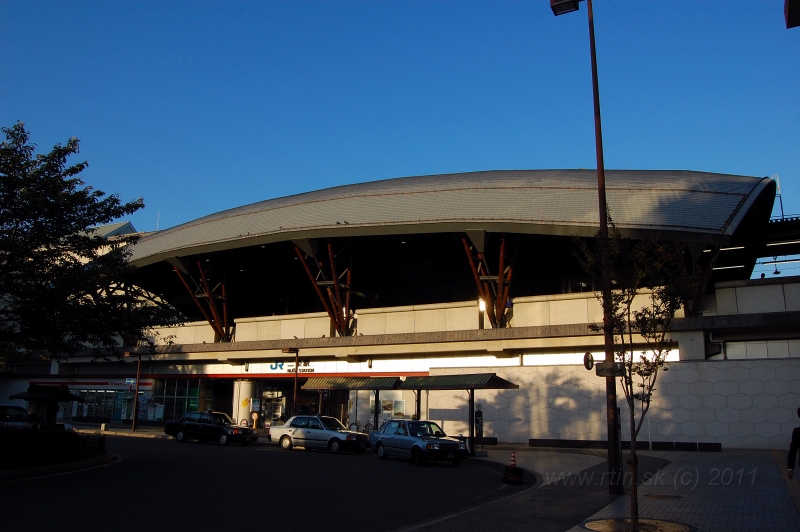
{"x": 731, "y": 491}
{"x": 741, "y": 490}
{"x": 120, "y": 429}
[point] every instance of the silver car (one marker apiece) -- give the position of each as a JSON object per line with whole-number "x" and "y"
{"x": 320, "y": 432}
{"x": 418, "y": 440}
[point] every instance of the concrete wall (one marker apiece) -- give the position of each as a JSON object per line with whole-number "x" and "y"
{"x": 562, "y": 309}
{"x": 763, "y": 349}
{"x": 312, "y": 325}
{"x": 199, "y": 332}
{"x": 756, "y": 297}
{"x": 737, "y": 403}
{"x": 419, "y": 318}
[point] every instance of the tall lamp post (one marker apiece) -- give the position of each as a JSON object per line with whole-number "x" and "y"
{"x": 560, "y": 7}
{"x": 135, "y": 416}
{"x": 296, "y": 352}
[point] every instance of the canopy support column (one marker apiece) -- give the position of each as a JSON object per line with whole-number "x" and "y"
{"x": 471, "y": 437}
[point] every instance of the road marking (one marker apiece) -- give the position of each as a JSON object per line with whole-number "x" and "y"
{"x": 116, "y": 460}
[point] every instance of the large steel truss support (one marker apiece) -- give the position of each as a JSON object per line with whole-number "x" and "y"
{"x": 493, "y": 289}
{"x": 206, "y": 295}
{"x": 703, "y": 262}
{"x": 323, "y": 270}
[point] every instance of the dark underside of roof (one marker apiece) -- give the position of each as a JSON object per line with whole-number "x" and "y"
{"x": 387, "y": 271}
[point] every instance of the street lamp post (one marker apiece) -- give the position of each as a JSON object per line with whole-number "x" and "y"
{"x": 560, "y": 7}
{"x": 296, "y": 352}
{"x": 135, "y": 416}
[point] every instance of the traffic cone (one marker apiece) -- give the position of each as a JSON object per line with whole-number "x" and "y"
{"x": 513, "y": 474}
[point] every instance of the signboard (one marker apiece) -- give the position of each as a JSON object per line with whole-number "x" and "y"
{"x": 614, "y": 369}
{"x": 130, "y": 381}
{"x": 479, "y": 424}
{"x": 255, "y": 405}
{"x": 387, "y": 407}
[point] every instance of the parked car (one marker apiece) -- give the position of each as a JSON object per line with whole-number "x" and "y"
{"x": 320, "y": 432}
{"x": 13, "y": 416}
{"x": 210, "y": 426}
{"x": 418, "y": 440}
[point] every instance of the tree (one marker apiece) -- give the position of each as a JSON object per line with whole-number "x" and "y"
{"x": 652, "y": 281}
{"x": 64, "y": 289}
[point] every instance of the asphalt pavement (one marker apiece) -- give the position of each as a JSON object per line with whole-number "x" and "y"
{"x": 729, "y": 491}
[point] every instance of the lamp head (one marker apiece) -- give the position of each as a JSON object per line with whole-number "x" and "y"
{"x": 560, "y": 7}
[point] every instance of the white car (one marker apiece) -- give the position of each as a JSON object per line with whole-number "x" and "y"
{"x": 318, "y": 432}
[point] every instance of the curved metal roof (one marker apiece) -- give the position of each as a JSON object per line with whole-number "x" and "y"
{"x": 697, "y": 205}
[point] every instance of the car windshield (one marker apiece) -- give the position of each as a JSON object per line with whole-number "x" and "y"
{"x": 221, "y": 418}
{"x": 426, "y": 428}
{"x": 331, "y": 423}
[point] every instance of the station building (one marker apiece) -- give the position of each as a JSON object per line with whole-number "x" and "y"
{"x": 455, "y": 275}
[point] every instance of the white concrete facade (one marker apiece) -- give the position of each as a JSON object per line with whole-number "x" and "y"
{"x": 744, "y": 397}
{"x": 737, "y": 403}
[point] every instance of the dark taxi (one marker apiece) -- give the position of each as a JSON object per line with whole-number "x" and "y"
{"x": 210, "y": 426}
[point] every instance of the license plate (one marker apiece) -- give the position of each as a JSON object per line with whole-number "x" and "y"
{"x": 450, "y": 456}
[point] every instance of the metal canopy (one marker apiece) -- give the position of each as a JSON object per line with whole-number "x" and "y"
{"x": 43, "y": 393}
{"x": 352, "y": 383}
{"x": 473, "y": 381}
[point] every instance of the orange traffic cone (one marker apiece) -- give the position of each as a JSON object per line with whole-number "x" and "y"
{"x": 513, "y": 474}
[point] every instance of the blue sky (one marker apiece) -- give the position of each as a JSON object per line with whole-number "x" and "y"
{"x": 203, "y": 106}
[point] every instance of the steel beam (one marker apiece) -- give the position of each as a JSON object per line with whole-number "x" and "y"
{"x": 493, "y": 289}
{"x": 203, "y": 290}
{"x": 337, "y": 286}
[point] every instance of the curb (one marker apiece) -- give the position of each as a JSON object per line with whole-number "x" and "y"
{"x": 125, "y": 434}
{"x": 56, "y": 469}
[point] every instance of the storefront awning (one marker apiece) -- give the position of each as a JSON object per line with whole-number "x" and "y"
{"x": 472, "y": 381}
{"x": 42, "y": 393}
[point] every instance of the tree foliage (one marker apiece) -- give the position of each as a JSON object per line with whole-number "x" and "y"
{"x": 64, "y": 289}
{"x": 652, "y": 281}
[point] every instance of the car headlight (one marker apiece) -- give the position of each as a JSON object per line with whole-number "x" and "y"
{"x": 432, "y": 446}
{"x": 462, "y": 445}
{"x": 351, "y": 436}
{"x": 236, "y": 431}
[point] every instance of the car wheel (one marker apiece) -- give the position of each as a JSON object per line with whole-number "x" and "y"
{"x": 335, "y": 446}
{"x": 381, "y": 451}
{"x": 286, "y": 442}
{"x": 223, "y": 439}
{"x": 180, "y": 436}
{"x": 416, "y": 456}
